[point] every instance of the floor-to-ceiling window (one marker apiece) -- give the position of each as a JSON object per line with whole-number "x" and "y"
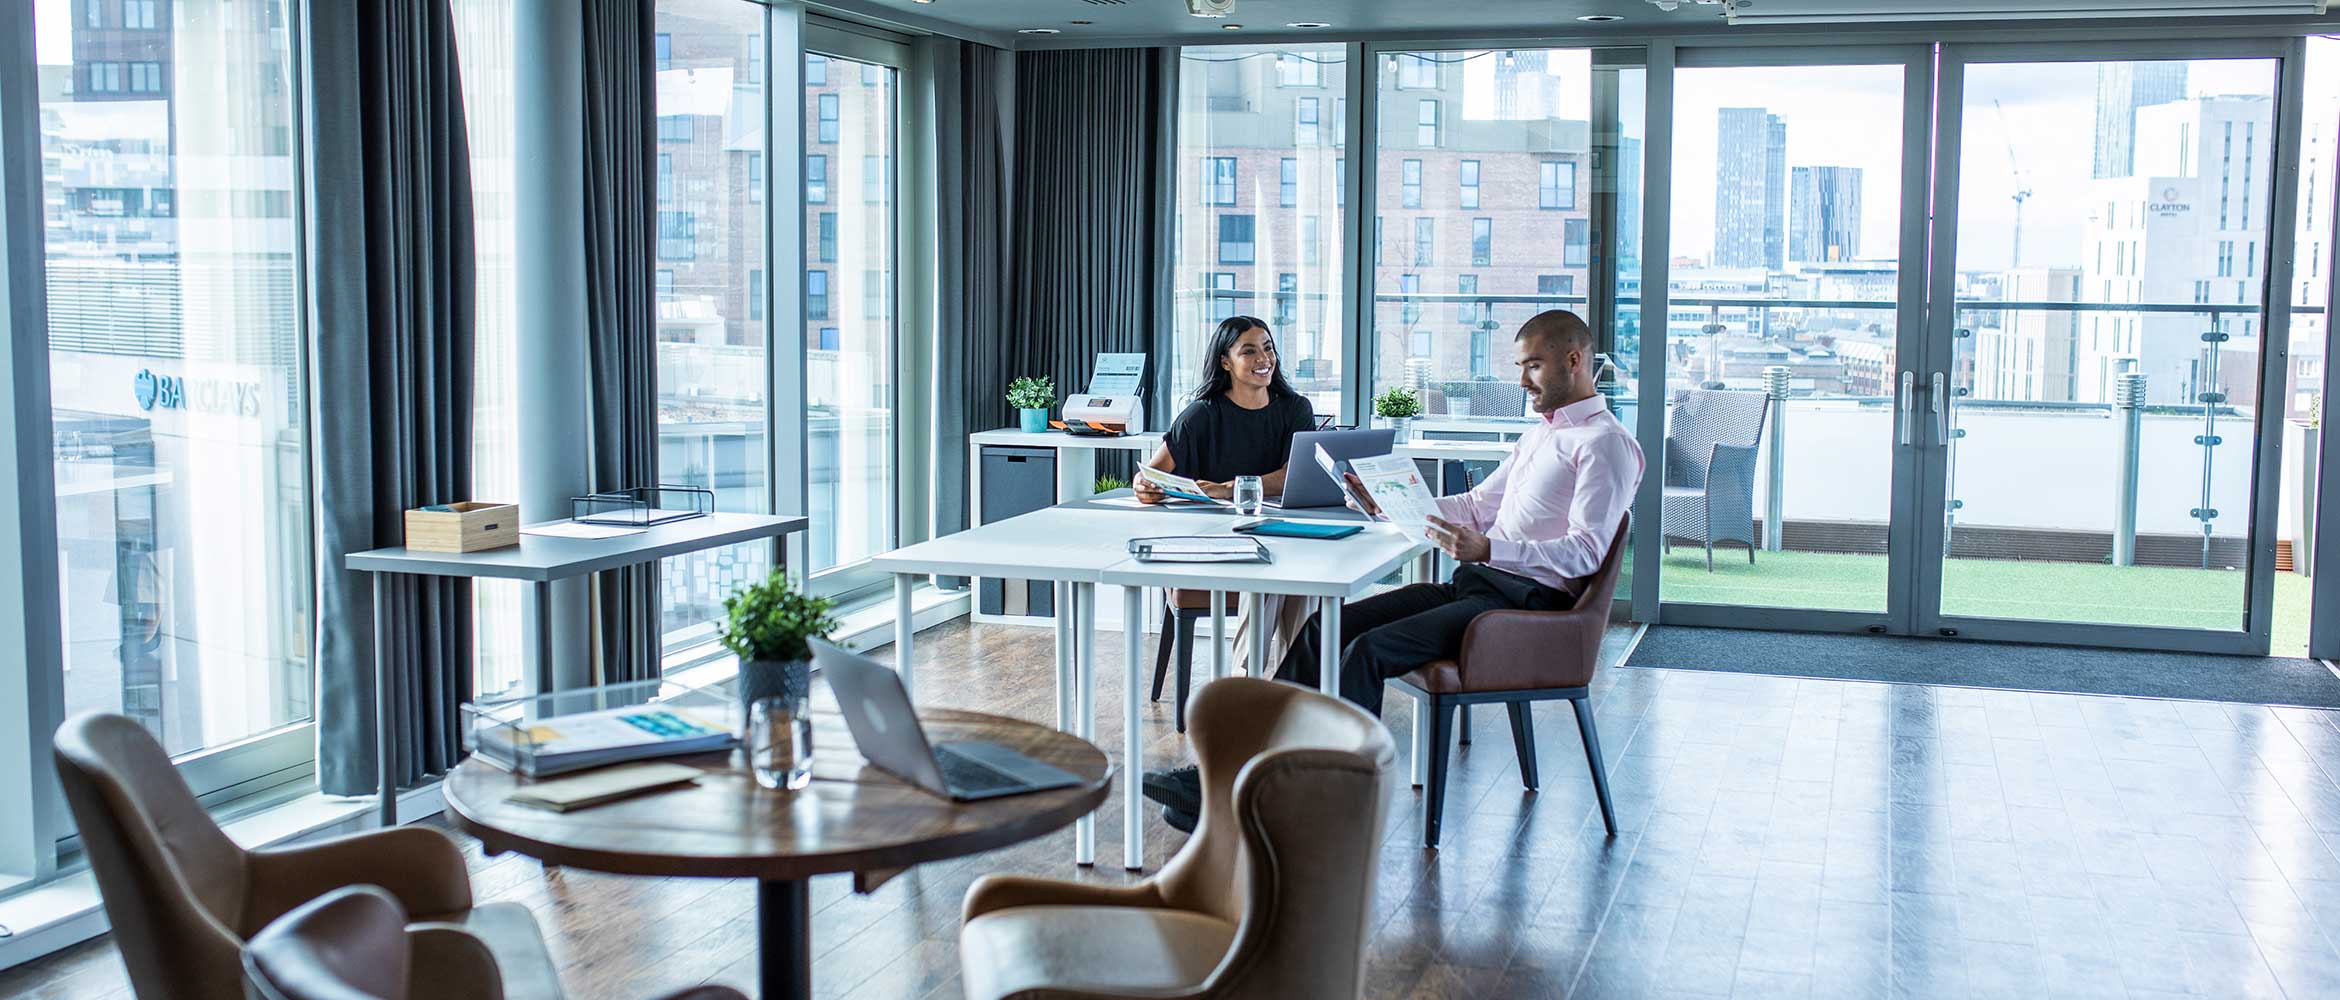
{"x": 168, "y": 158}
{"x": 709, "y": 260}
{"x": 1259, "y": 208}
{"x": 851, "y": 206}
{"x": 1485, "y": 215}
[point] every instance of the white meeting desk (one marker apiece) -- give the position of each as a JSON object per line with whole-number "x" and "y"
{"x": 1081, "y": 545}
{"x": 1069, "y": 546}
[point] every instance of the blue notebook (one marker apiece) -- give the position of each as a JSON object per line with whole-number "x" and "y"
{"x": 1300, "y": 529}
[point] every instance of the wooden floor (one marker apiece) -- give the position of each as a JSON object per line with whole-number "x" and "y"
{"x": 1782, "y": 838}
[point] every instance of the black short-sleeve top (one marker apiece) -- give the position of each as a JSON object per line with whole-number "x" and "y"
{"x": 1213, "y": 439}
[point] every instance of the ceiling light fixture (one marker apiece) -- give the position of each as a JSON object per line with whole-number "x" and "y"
{"x": 1230, "y": 27}
{"x": 1307, "y": 24}
{"x": 1599, "y": 18}
{"x": 1036, "y": 31}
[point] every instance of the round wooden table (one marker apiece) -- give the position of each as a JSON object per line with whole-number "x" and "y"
{"x": 853, "y": 818}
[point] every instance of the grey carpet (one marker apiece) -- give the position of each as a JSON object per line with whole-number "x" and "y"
{"x": 2258, "y": 680}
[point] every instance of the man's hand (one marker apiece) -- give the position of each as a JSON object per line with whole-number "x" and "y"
{"x": 1216, "y": 491}
{"x": 1147, "y": 492}
{"x": 1465, "y": 543}
{"x": 1358, "y": 493}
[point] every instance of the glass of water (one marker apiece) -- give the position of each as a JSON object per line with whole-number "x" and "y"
{"x": 779, "y": 741}
{"x": 1249, "y": 498}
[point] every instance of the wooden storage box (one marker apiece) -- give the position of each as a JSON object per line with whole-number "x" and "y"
{"x": 469, "y": 527}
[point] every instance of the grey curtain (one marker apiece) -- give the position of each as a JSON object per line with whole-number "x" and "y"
{"x": 974, "y": 87}
{"x": 1094, "y": 132}
{"x": 621, "y": 306}
{"x": 390, "y": 259}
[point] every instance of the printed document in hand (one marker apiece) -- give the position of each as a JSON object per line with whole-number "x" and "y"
{"x": 1177, "y": 486}
{"x": 1393, "y": 481}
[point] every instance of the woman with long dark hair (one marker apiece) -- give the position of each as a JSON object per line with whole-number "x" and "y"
{"x": 1242, "y": 419}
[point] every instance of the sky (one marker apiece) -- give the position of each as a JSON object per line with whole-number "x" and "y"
{"x": 2039, "y": 118}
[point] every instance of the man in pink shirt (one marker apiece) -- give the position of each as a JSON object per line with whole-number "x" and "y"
{"x": 1525, "y": 539}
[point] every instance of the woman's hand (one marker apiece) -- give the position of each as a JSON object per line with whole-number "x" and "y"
{"x": 1147, "y": 492}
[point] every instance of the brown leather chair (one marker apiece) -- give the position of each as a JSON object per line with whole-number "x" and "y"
{"x": 354, "y": 944}
{"x": 1518, "y": 658}
{"x": 183, "y": 898}
{"x": 1269, "y": 898}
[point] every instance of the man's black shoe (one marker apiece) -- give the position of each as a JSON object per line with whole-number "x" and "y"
{"x": 1177, "y": 789}
{"x": 1181, "y": 822}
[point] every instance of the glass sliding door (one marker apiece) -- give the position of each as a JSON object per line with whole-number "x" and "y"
{"x": 852, "y": 215}
{"x": 169, "y": 165}
{"x": 2098, "y": 445}
{"x": 1794, "y": 287}
{"x": 1259, "y": 208}
{"x": 713, "y": 328}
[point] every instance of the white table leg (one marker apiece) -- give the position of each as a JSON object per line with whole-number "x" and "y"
{"x": 1328, "y": 646}
{"x": 1263, "y": 628}
{"x": 1133, "y": 751}
{"x": 1218, "y": 634}
{"x": 1421, "y": 742}
{"x": 904, "y": 627}
{"x": 1085, "y": 708}
{"x": 1062, "y": 619}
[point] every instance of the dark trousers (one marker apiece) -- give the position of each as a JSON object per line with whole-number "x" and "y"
{"x": 1385, "y": 635}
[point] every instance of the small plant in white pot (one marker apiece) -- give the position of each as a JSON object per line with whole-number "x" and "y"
{"x": 1032, "y": 395}
{"x": 769, "y": 626}
{"x": 1397, "y": 406}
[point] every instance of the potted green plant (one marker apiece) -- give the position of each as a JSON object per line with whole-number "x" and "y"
{"x": 769, "y": 626}
{"x": 1032, "y": 395}
{"x": 1396, "y": 407}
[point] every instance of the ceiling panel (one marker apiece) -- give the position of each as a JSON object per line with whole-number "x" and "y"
{"x": 1112, "y": 19}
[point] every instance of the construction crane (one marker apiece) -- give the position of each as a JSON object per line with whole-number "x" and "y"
{"x": 2022, "y": 189}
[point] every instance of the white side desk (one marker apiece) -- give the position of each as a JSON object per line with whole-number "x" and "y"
{"x": 1076, "y": 460}
{"x": 1076, "y": 479}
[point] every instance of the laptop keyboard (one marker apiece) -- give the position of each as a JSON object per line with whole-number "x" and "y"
{"x": 968, "y": 775}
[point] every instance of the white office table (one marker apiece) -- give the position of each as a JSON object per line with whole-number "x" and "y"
{"x": 1328, "y": 571}
{"x": 1455, "y": 451}
{"x": 1069, "y": 546}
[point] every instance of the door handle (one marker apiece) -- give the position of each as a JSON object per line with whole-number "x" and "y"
{"x": 1908, "y": 408}
{"x": 1939, "y": 400}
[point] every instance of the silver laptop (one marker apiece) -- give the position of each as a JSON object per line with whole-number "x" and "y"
{"x": 887, "y": 731}
{"x": 1306, "y": 485}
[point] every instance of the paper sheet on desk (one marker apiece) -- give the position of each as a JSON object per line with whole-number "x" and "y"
{"x": 572, "y": 529}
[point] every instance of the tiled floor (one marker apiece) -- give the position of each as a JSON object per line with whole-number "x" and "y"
{"x": 1781, "y": 837}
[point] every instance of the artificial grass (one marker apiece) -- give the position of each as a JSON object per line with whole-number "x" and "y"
{"x": 1984, "y": 588}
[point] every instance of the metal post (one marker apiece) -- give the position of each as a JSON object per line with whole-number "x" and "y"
{"x": 2129, "y": 409}
{"x": 1775, "y": 388}
{"x": 2206, "y": 392}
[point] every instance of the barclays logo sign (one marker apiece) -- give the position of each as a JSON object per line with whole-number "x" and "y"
{"x": 210, "y": 395}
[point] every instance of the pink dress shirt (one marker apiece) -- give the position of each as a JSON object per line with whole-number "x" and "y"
{"x": 1550, "y": 509}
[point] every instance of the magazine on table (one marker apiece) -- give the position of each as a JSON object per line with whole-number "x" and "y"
{"x": 1178, "y": 487}
{"x": 591, "y": 739}
{"x": 1393, "y": 482}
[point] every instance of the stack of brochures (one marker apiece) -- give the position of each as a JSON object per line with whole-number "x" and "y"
{"x": 567, "y": 743}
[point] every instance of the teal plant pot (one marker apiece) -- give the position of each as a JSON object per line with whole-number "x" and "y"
{"x": 1034, "y": 421}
